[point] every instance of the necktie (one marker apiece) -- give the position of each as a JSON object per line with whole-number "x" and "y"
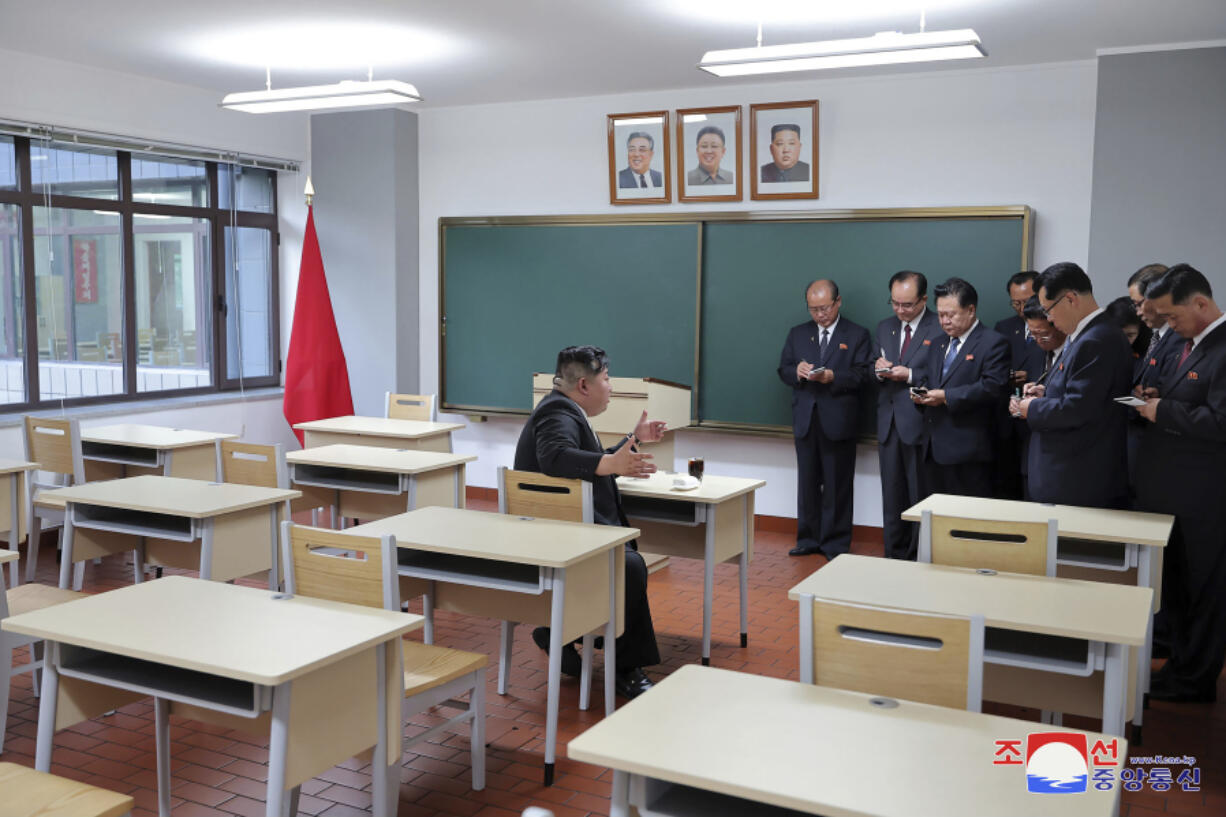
{"x": 906, "y": 341}
{"x": 1051, "y": 358}
{"x": 1187, "y": 350}
{"x": 825, "y": 341}
{"x": 1153, "y": 344}
{"x": 1029, "y": 340}
{"x": 642, "y": 181}
{"x": 950, "y": 356}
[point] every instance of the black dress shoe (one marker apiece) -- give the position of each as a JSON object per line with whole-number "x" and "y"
{"x": 804, "y": 550}
{"x": 631, "y": 683}
{"x": 572, "y": 664}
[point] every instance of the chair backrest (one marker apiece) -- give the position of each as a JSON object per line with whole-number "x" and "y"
{"x": 362, "y": 572}
{"x": 925, "y": 657}
{"x": 527, "y": 493}
{"x": 1012, "y": 547}
{"x": 253, "y": 464}
{"x": 410, "y": 407}
{"x": 56, "y": 446}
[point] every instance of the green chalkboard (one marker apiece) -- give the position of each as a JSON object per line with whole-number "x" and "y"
{"x": 754, "y": 274}
{"x": 513, "y": 294}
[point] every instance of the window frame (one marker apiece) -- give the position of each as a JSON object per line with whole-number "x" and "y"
{"x": 26, "y": 198}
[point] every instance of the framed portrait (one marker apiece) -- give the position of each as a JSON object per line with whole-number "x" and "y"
{"x": 639, "y": 165}
{"x": 709, "y": 154}
{"x": 783, "y": 150}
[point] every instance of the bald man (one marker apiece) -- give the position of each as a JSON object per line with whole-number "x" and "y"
{"x": 826, "y": 362}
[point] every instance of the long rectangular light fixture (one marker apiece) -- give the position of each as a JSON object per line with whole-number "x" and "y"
{"x": 886, "y": 48}
{"x": 346, "y": 94}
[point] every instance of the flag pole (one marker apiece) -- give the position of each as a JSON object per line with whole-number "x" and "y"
{"x": 309, "y": 191}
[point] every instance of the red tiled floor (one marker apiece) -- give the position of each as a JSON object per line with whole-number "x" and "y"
{"x": 221, "y": 773}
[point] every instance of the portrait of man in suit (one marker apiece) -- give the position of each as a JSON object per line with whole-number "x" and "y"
{"x": 640, "y": 149}
{"x": 785, "y": 148}
{"x": 710, "y": 148}
{"x": 825, "y": 361}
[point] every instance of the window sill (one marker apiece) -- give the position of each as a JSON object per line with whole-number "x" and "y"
{"x": 147, "y": 406}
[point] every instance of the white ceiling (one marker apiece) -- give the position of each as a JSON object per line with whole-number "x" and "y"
{"x": 479, "y": 51}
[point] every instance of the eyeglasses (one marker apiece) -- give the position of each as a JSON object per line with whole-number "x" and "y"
{"x": 1047, "y": 310}
{"x": 822, "y": 310}
{"x": 1138, "y": 304}
{"x": 905, "y": 305}
{"x": 1018, "y": 304}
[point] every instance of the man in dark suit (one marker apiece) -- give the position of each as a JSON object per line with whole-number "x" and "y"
{"x": 558, "y": 440}
{"x": 902, "y": 340}
{"x": 640, "y": 147}
{"x": 1009, "y": 482}
{"x": 1040, "y": 361}
{"x": 825, "y": 361}
{"x": 1164, "y": 344}
{"x": 965, "y": 377}
{"x": 1078, "y": 444}
{"x": 1181, "y": 470}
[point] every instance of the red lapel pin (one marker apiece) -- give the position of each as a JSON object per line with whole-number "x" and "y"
{"x": 970, "y": 357}
{"x": 1193, "y": 376}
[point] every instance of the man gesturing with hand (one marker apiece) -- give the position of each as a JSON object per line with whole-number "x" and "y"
{"x": 558, "y": 440}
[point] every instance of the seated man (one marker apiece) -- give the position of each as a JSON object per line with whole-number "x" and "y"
{"x": 558, "y": 440}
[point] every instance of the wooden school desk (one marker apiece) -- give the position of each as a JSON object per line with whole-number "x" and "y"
{"x": 1097, "y": 544}
{"x": 295, "y": 664}
{"x": 371, "y": 483}
{"x": 1051, "y": 643}
{"x": 221, "y": 529}
{"x": 384, "y": 432}
{"x": 14, "y": 495}
{"x": 713, "y": 522}
{"x": 131, "y": 449}
{"x": 566, "y": 575}
{"x": 704, "y": 741}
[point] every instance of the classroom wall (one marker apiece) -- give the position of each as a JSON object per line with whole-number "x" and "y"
{"x": 1160, "y": 162}
{"x": 1020, "y": 135}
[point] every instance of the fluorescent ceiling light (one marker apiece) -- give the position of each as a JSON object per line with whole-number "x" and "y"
{"x": 346, "y": 94}
{"x": 886, "y": 48}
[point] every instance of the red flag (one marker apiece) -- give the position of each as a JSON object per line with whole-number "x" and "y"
{"x": 316, "y": 378}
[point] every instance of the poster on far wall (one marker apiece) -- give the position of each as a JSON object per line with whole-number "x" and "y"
{"x": 639, "y": 158}
{"x": 783, "y": 150}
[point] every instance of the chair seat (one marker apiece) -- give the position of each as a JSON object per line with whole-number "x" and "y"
{"x": 26, "y": 598}
{"x": 427, "y": 666}
{"x": 27, "y": 793}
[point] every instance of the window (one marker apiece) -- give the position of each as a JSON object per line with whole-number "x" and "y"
{"x": 12, "y": 364}
{"x": 141, "y": 283}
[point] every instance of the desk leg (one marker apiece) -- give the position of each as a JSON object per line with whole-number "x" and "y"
{"x": 47, "y": 706}
{"x": 585, "y": 673}
{"x": 1146, "y": 564}
{"x": 555, "y": 670}
{"x": 619, "y": 801}
{"x": 161, "y": 742}
{"x": 15, "y": 530}
{"x": 744, "y": 573}
{"x": 708, "y": 584}
{"x": 278, "y": 749}
{"x": 427, "y": 612}
{"x": 1142, "y": 683}
{"x": 610, "y": 635}
{"x": 66, "y": 555}
{"x": 206, "y": 550}
{"x": 806, "y": 639}
{"x": 1115, "y": 689}
{"x": 384, "y": 770}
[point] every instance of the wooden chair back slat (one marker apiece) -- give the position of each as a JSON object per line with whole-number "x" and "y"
{"x": 368, "y": 577}
{"x": 1012, "y": 547}
{"x": 526, "y": 493}
{"x": 251, "y": 464}
{"x": 55, "y": 445}
{"x": 411, "y": 406}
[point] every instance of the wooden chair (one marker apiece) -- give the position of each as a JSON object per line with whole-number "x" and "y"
{"x": 433, "y": 676}
{"x": 923, "y": 657}
{"x": 526, "y": 493}
{"x": 27, "y": 793}
{"x": 22, "y": 599}
{"x": 56, "y": 446}
{"x": 410, "y": 407}
{"x": 1008, "y": 547}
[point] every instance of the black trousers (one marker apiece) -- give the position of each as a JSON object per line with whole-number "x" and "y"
{"x": 1194, "y": 603}
{"x": 636, "y": 646}
{"x": 963, "y": 479}
{"x": 903, "y": 483}
{"x": 825, "y": 470}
